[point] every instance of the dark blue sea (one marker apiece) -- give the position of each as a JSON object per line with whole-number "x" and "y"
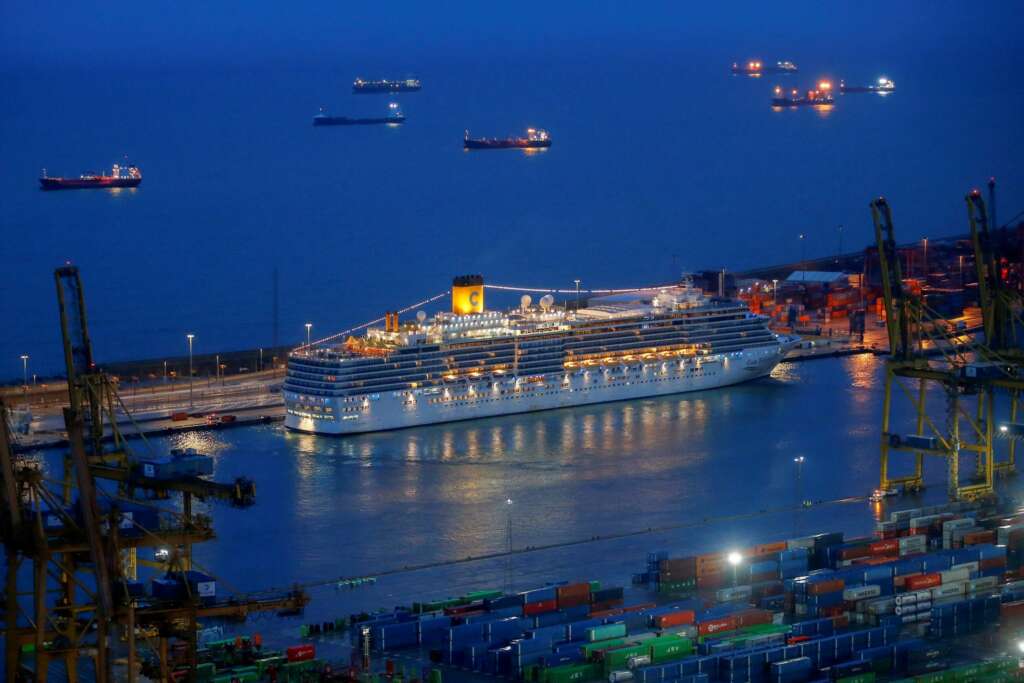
{"x": 662, "y": 162}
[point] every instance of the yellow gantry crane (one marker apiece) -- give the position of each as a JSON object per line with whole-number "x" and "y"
{"x": 946, "y": 394}
{"x": 80, "y": 604}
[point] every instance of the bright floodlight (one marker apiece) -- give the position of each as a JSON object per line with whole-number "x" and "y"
{"x": 1020, "y": 645}
{"x": 735, "y": 558}
{"x": 1004, "y": 428}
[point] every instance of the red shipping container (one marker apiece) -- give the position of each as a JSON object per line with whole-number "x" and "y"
{"x": 980, "y": 537}
{"x": 922, "y": 581}
{"x": 823, "y": 587}
{"x": 607, "y": 613}
{"x": 680, "y": 618}
{"x": 716, "y": 580}
{"x": 639, "y": 608}
{"x": 752, "y": 617}
{"x": 707, "y": 628}
{"x": 532, "y": 608}
{"x": 573, "y": 601}
{"x": 992, "y": 563}
{"x": 605, "y": 606}
{"x": 300, "y": 653}
{"x": 855, "y": 552}
{"x": 464, "y": 609}
{"x": 889, "y": 547}
{"x": 841, "y": 621}
{"x": 1012, "y": 612}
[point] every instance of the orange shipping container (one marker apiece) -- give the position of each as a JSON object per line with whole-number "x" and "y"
{"x": 769, "y": 548}
{"x": 890, "y": 547}
{"x": 680, "y": 618}
{"x": 922, "y": 581}
{"x": 980, "y": 537}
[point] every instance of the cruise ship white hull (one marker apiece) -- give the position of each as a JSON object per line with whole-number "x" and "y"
{"x": 508, "y": 395}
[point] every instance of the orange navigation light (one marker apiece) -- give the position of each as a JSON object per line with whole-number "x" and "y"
{"x": 825, "y": 85}
{"x": 778, "y": 90}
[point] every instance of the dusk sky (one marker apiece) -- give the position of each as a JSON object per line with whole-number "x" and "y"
{"x": 163, "y": 32}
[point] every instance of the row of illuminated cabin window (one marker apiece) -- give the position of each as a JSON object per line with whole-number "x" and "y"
{"x": 427, "y": 379}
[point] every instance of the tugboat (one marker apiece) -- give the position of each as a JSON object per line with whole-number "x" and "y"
{"x": 120, "y": 176}
{"x": 883, "y": 87}
{"x": 384, "y": 86}
{"x": 756, "y": 68}
{"x": 535, "y": 139}
{"x": 822, "y": 95}
{"x": 395, "y": 116}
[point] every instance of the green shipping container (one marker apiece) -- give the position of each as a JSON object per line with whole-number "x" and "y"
{"x": 606, "y": 632}
{"x": 482, "y": 595}
{"x": 618, "y": 658}
{"x": 571, "y": 673}
{"x": 859, "y": 678}
{"x": 590, "y": 648}
{"x": 205, "y": 672}
{"x": 595, "y": 586}
{"x": 668, "y": 647}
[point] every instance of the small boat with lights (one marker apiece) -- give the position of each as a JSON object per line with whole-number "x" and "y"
{"x": 394, "y": 116}
{"x": 822, "y": 95}
{"x": 120, "y": 176}
{"x": 535, "y": 139}
{"x": 756, "y": 67}
{"x": 361, "y": 87}
{"x": 883, "y": 86}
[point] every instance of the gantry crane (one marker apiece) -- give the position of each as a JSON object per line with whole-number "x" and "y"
{"x": 85, "y": 606}
{"x": 931, "y": 362}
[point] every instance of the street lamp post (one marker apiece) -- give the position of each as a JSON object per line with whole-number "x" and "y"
{"x": 577, "y": 295}
{"x": 775, "y": 292}
{"x": 260, "y": 366}
{"x": 735, "y": 559}
{"x": 24, "y": 370}
{"x": 508, "y": 544}
{"x": 190, "y": 338}
{"x": 803, "y": 264}
{"x": 216, "y": 370}
{"x": 799, "y": 460}
{"x": 165, "y": 372}
{"x": 309, "y": 327}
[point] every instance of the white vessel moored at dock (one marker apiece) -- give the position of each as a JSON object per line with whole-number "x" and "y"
{"x": 471, "y": 363}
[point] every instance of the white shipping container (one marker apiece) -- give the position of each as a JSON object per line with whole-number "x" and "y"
{"x": 638, "y": 661}
{"x": 957, "y": 524}
{"x": 805, "y": 542}
{"x": 881, "y": 606}
{"x": 947, "y": 590}
{"x": 618, "y": 676}
{"x": 905, "y": 515}
{"x": 955, "y": 575}
{"x": 969, "y": 566}
{"x": 983, "y": 584}
{"x": 911, "y": 597}
{"x": 1003, "y": 533}
{"x": 861, "y": 592}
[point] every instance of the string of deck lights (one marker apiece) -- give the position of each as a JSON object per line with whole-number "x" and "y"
{"x": 539, "y": 290}
{"x": 504, "y": 288}
{"x": 374, "y": 321}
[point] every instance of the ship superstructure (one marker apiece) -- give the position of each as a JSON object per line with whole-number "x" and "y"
{"x": 471, "y": 362}
{"x": 128, "y": 175}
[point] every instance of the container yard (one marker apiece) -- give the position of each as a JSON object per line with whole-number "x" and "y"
{"x": 934, "y": 595}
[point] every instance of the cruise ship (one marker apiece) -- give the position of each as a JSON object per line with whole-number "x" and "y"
{"x": 471, "y": 362}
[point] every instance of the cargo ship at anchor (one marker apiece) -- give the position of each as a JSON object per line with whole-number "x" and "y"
{"x": 883, "y": 86}
{"x": 395, "y": 116}
{"x": 756, "y": 68}
{"x": 469, "y": 362}
{"x": 120, "y": 176}
{"x": 822, "y": 95}
{"x": 535, "y": 139}
{"x": 361, "y": 87}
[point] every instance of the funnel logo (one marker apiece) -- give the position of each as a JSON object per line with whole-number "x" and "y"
{"x": 474, "y": 298}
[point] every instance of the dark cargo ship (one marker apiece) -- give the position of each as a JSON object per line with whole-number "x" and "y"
{"x": 535, "y": 139}
{"x": 120, "y": 176}
{"x": 883, "y": 86}
{"x": 395, "y": 116}
{"x": 756, "y": 68}
{"x": 385, "y": 86}
{"x": 822, "y": 95}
